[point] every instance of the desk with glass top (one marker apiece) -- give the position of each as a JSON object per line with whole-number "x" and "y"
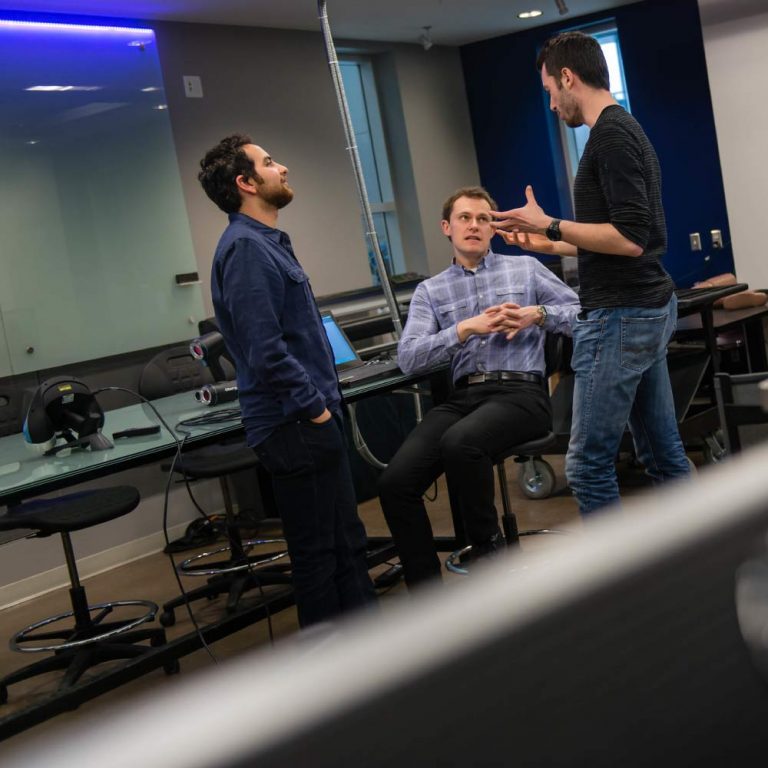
{"x": 24, "y": 474}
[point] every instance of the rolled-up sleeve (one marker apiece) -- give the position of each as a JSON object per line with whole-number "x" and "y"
{"x": 622, "y": 180}
{"x": 560, "y": 301}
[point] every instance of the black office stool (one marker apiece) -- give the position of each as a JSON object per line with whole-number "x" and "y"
{"x": 239, "y": 571}
{"x": 91, "y": 640}
{"x": 538, "y": 475}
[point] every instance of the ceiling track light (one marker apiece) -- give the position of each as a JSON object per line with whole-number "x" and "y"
{"x": 425, "y": 39}
{"x": 561, "y": 7}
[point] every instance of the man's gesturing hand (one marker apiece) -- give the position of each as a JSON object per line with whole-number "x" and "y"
{"x": 530, "y": 218}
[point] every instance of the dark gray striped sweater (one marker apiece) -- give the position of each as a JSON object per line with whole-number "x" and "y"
{"x": 619, "y": 181}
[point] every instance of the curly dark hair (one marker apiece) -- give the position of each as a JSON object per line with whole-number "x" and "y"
{"x": 476, "y": 193}
{"x": 578, "y": 52}
{"x": 221, "y": 166}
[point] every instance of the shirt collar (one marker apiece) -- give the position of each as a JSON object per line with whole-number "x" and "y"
{"x": 276, "y": 235}
{"x": 243, "y": 218}
{"x": 485, "y": 263}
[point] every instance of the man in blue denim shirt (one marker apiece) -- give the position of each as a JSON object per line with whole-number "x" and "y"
{"x": 487, "y": 314}
{"x": 289, "y": 392}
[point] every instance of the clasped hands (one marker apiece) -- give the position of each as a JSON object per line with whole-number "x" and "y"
{"x": 507, "y": 318}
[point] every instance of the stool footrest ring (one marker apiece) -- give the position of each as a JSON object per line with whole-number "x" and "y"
{"x": 194, "y": 566}
{"x": 92, "y": 634}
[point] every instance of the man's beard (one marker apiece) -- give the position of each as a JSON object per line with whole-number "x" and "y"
{"x": 279, "y": 198}
{"x": 575, "y": 120}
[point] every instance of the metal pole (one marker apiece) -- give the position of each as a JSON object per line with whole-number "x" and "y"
{"x": 354, "y": 154}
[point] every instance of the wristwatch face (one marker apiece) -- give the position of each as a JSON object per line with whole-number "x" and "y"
{"x": 553, "y": 230}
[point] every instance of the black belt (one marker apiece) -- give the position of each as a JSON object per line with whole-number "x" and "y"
{"x": 498, "y": 377}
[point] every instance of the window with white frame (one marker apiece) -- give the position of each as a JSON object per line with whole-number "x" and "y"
{"x": 358, "y": 75}
{"x": 575, "y": 139}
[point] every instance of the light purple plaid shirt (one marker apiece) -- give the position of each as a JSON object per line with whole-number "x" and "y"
{"x": 439, "y": 303}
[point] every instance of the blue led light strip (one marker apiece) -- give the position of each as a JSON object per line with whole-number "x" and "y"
{"x": 64, "y": 27}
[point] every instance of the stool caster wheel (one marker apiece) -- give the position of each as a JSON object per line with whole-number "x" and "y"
{"x": 536, "y": 479}
{"x": 172, "y": 667}
{"x": 3, "y": 694}
{"x": 167, "y": 618}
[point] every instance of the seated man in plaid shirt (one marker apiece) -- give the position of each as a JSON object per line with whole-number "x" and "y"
{"x": 487, "y": 314}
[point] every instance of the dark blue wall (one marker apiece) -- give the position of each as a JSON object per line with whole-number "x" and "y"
{"x": 517, "y": 139}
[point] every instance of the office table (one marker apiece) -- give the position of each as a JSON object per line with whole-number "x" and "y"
{"x": 748, "y": 320}
{"x": 25, "y": 473}
{"x": 698, "y": 319}
{"x": 701, "y": 301}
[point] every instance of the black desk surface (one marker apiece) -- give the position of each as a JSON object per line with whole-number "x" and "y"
{"x": 691, "y": 300}
{"x": 723, "y": 319}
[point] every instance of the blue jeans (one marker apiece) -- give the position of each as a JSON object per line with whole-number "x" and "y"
{"x": 316, "y": 500}
{"x": 619, "y": 359}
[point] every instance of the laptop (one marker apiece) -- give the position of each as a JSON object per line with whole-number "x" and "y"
{"x": 350, "y": 369}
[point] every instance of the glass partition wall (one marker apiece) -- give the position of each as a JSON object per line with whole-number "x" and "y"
{"x": 93, "y": 227}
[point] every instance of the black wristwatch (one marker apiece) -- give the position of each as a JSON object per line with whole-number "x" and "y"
{"x": 553, "y": 230}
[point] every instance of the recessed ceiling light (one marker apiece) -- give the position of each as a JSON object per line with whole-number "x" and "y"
{"x": 61, "y": 88}
{"x": 529, "y": 14}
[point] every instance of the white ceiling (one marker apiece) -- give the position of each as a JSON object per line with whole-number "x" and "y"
{"x": 452, "y": 22}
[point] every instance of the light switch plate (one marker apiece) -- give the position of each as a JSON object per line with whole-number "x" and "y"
{"x": 717, "y": 238}
{"x": 695, "y": 241}
{"x": 193, "y": 87}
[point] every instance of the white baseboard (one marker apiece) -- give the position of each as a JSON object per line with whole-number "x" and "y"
{"x": 92, "y": 565}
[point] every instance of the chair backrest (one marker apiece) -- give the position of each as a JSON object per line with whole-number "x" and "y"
{"x": 739, "y": 405}
{"x": 558, "y": 350}
{"x": 223, "y": 367}
{"x": 170, "y": 371}
{"x": 12, "y": 411}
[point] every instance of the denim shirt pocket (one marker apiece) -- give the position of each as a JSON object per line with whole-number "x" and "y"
{"x": 297, "y": 275}
{"x": 298, "y": 291}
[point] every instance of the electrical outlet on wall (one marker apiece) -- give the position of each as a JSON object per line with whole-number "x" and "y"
{"x": 695, "y": 238}
{"x": 193, "y": 87}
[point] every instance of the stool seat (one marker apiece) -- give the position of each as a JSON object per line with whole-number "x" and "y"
{"x": 87, "y": 635}
{"x": 531, "y": 448}
{"x": 240, "y": 571}
{"x": 214, "y": 464}
{"x": 72, "y": 512}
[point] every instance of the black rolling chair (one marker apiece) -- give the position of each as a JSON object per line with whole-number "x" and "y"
{"x": 231, "y": 570}
{"x": 11, "y": 411}
{"x": 95, "y": 636}
{"x": 170, "y": 371}
{"x": 740, "y": 408}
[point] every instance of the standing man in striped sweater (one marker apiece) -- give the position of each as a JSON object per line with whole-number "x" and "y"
{"x": 629, "y": 310}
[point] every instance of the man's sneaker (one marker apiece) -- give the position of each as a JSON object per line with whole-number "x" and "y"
{"x": 490, "y": 548}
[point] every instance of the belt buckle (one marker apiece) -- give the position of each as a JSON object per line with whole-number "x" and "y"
{"x": 476, "y": 378}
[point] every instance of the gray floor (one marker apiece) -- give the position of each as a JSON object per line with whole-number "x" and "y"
{"x": 151, "y": 578}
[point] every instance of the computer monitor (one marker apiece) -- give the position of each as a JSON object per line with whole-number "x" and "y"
{"x": 344, "y": 354}
{"x": 621, "y": 644}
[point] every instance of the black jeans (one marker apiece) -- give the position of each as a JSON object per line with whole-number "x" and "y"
{"x": 316, "y": 500}
{"x": 458, "y": 437}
